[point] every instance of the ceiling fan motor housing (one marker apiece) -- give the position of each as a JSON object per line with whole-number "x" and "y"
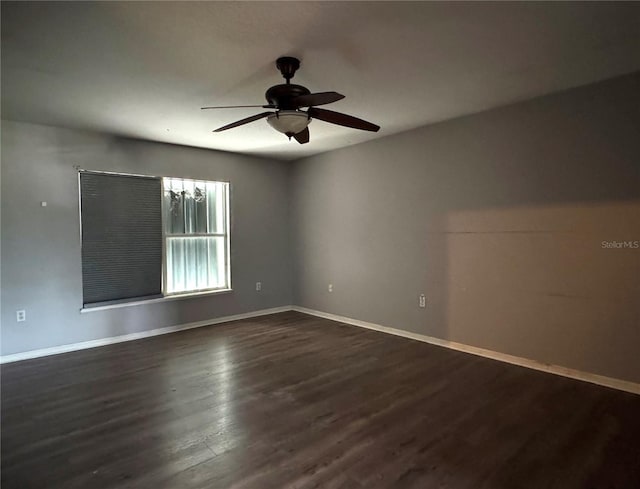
{"x": 283, "y": 95}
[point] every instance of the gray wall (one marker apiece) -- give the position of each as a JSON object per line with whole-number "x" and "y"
{"x": 498, "y": 218}
{"x": 41, "y": 267}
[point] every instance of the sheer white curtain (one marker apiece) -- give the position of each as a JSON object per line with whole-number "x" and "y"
{"x": 196, "y": 235}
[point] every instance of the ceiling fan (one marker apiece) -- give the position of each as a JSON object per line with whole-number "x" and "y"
{"x": 288, "y": 99}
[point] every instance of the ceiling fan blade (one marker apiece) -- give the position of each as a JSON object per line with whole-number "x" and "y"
{"x": 239, "y": 107}
{"x": 303, "y": 136}
{"x": 244, "y": 121}
{"x": 342, "y": 119}
{"x": 321, "y": 98}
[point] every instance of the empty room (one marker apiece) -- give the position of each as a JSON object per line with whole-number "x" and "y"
{"x": 341, "y": 245}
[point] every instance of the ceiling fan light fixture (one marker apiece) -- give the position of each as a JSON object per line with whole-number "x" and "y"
{"x": 289, "y": 122}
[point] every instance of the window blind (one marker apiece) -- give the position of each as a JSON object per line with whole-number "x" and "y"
{"x": 121, "y": 237}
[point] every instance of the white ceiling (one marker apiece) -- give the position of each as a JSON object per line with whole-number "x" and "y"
{"x": 143, "y": 69}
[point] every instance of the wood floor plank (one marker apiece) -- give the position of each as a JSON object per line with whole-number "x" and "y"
{"x": 293, "y": 401}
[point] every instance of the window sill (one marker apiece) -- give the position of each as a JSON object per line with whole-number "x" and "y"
{"x": 174, "y": 297}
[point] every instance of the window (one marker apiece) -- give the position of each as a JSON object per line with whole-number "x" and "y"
{"x": 150, "y": 237}
{"x": 196, "y": 237}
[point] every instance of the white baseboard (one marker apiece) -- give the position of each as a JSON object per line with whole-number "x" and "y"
{"x": 55, "y": 350}
{"x": 622, "y": 385}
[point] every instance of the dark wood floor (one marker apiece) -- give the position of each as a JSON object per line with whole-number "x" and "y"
{"x": 291, "y": 401}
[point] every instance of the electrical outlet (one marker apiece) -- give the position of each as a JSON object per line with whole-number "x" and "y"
{"x": 258, "y": 286}
{"x": 422, "y": 301}
{"x": 330, "y": 288}
{"x": 21, "y": 315}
